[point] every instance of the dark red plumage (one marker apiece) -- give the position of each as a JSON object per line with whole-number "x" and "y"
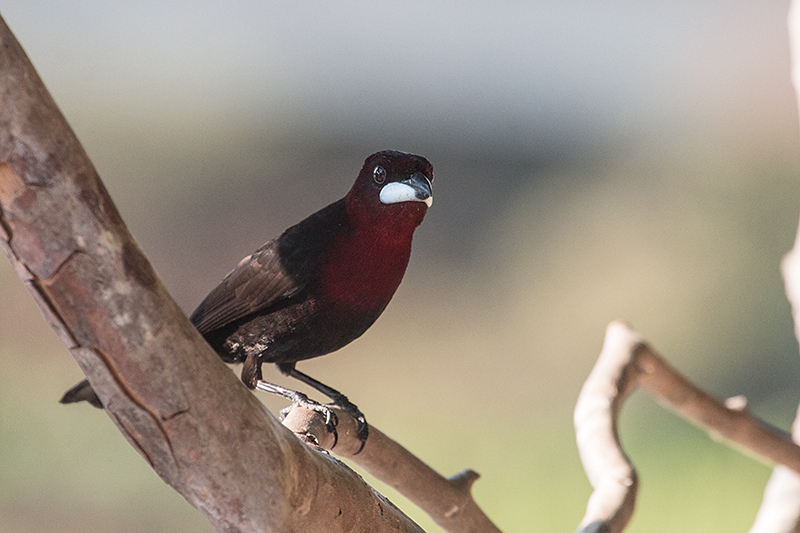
{"x": 323, "y": 281}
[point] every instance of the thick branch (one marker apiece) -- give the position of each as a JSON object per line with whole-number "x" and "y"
{"x": 161, "y": 384}
{"x": 626, "y": 363}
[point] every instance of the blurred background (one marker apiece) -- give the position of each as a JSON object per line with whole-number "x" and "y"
{"x": 636, "y": 161}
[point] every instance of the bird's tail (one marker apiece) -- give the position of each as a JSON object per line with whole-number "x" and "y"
{"x": 82, "y": 392}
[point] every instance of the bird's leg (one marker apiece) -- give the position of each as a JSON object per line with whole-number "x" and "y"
{"x": 251, "y": 371}
{"x": 251, "y": 376}
{"x": 338, "y": 398}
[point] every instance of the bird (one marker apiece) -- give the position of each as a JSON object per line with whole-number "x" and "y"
{"x": 319, "y": 285}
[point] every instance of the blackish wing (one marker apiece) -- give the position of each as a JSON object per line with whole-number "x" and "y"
{"x": 275, "y": 273}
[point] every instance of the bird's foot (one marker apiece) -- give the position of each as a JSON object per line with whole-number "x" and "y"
{"x": 350, "y": 408}
{"x": 338, "y": 399}
{"x": 298, "y": 398}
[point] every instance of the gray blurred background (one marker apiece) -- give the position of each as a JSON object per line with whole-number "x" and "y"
{"x": 635, "y": 161}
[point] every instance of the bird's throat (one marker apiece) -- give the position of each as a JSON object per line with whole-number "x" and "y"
{"x": 365, "y": 268}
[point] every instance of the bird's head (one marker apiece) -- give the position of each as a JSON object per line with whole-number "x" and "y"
{"x": 392, "y": 188}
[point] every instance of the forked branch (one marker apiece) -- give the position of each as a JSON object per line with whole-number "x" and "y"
{"x": 625, "y": 364}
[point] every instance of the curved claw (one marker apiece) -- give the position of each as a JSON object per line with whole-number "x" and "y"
{"x": 351, "y": 408}
{"x": 331, "y": 420}
{"x": 363, "y": 433}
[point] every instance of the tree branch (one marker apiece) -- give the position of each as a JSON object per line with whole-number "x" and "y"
{"x": 626, "y": 363}
{"x": 780, "y": 508}
{"x": 169, "y": 394}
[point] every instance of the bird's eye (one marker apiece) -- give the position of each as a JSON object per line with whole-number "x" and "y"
{"x": 379, "y": 174}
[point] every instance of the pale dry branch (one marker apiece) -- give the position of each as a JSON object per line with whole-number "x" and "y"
{"x": 596, "y": 413}
{"x": 626, "y": 363}
{"x": 168, "y": 393}
{"x": 780, "y": 507}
